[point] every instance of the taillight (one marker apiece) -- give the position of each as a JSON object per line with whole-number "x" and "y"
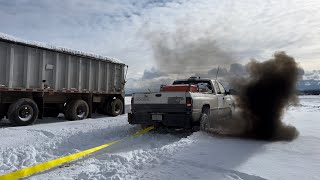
{"x": 189, "y": 103}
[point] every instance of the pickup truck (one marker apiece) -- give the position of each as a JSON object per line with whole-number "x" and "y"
{"x": 187, "y": 103}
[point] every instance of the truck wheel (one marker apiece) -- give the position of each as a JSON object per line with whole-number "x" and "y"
{"x": 115, "y": 108}
{"x": 204, "y": 122}
{"x": 23, "y": 112}
{"x": 77, "y": 110}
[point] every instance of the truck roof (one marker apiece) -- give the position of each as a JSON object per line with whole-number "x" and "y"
{"x": 195, "y": 79}
{"x": 40, "y": 45}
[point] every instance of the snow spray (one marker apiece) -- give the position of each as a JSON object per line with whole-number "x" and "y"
{"x": 263, "y": 97}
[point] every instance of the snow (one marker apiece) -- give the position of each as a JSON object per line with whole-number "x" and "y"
{"x": 59, "y": 49}
{"x": 163, "y": 155}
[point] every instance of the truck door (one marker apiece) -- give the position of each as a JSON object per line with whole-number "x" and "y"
{"x": 220, "y": 97}
{"x": 224, "y": 107}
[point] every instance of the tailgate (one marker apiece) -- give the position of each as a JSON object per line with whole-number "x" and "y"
{"x": 162, "y": 102}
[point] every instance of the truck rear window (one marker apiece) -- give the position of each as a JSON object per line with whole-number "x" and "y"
{"x": 197, "y": 83}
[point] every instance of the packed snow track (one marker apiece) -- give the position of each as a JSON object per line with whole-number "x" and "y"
{"x": 162, "y": 155}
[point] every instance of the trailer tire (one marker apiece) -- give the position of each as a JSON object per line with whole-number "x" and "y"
{"x": 115, "y": 107}
{"x": 77, "y": 110}
{"x": 204, "y": 122}
{"x": 23, "y": 112}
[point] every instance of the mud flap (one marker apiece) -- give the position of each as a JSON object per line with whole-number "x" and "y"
{"x": 129, "y": 118}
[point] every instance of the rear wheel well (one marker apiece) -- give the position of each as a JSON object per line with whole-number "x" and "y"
{"x": 206, "y": 109}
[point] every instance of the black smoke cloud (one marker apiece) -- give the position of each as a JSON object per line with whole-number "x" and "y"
{"x": 263, "y": 97}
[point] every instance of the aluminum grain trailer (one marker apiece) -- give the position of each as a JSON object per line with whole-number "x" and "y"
{"x": 38, "y": 80}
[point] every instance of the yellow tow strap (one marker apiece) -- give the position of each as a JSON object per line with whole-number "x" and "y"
{"x": 56, "y": 162}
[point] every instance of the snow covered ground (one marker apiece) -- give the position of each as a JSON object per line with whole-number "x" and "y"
{"x": 163, "y": 156}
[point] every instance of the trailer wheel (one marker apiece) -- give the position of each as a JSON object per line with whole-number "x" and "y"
{"x": 204, "y": 122}
{"x": 23, "y": 112}
{"x": 77, "y": 110}
{"x": 115, "y": 107}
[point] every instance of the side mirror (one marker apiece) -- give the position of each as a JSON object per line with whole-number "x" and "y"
{"x": 232, "y": 92}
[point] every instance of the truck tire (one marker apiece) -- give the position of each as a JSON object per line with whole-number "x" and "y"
{"x": 23, "y": 112}
{"x": 115, "y": 108}
{"x": 204, "y": 122}
{"x": 77, "y": 110}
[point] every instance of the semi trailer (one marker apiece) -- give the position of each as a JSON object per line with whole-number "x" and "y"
{"x": 39, "y": 80}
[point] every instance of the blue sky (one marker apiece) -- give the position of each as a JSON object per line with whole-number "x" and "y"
{"x": 133, "y": 30}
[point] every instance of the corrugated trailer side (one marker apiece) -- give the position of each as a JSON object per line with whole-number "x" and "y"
{"x": 56, "y": 79}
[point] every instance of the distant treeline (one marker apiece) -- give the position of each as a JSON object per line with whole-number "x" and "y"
{"x": 310, "y": 92}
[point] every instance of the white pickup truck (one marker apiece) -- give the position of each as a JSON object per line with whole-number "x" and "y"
{"x": 184, "y": 104}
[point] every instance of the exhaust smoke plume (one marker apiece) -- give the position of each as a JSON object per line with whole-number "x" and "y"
{"x": 263, "y": 97}
{"x": 183, "y": 52}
